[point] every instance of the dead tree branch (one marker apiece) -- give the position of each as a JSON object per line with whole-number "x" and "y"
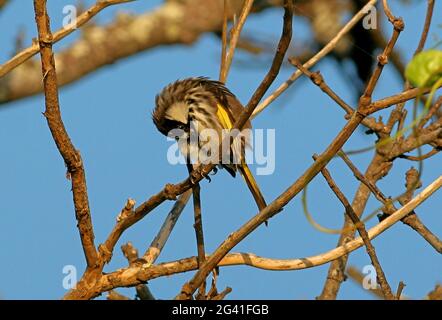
{"x": 71, "y": 156}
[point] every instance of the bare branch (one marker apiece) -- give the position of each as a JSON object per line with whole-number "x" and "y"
{"x": 29, "y": 52}
{"x": 397, "y": 98}
{"x": 400, "y": 288}
{"x": 358, "y": 277}
{"x": 234, "y": 38}
{"x": 139, "y": 274}
{"x": 198, "y": 226}
{"x": 131, "y": 254}
{"x": 114, "y": 295}
{"x": 159, "y": 241}
{"x": 436, "y": 294}
{"x": 71, "y": 156}
{"x": 284, "y": 42}
{"x": 321, "y": 54}
{"x": 377, "y": 169}
{"x": 224, "y": 41}
{"x": 166, "y": 25}
{"x": 386, "y": 289}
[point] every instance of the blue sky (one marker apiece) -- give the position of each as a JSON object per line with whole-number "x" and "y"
{"x": 107, "y": 115}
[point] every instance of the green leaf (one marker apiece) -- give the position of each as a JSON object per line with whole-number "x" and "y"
{"x": 425, "y": 68}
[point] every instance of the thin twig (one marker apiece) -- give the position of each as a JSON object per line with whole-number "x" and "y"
{"x": 427, "y": 24}
{"x": 412, "y": 220}
{"x": 171, "y": 191}
{"x": 398, "y": 27}
{"x": 387, "y": 10}
{"x": 431, "y": 112}
{"x": 29, "y": 52}
{"x": 318, "y": 80}
{"x": 198, "y": 226}
{"x": 404, "y": 96}
{"x": 161, "y": 238}
{"x": 400, "y": 288}
{"x": 189, "y": 288}
{"x": 70, "y": 154}
{"x": 134, "y": 275}
{"x": 224, "y": 41}
{"x": 358, "y": 277}
{"x": 423, "y": 38}
{"x": 131, "y": 254}
{"x": 359, "y": 175}
{"x": 422, "y": 157}
{"x": 335, "y": 275}
{"x": 282, "y": 200}
{"x": 315, "y": 59}
{"x": 380, "y": 275}
{"x": 235, "y": 37}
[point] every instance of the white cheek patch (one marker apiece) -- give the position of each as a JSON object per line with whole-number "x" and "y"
{"x": 178, "y": 112}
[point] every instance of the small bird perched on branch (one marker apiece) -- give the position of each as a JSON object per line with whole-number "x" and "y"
{"x": 193, "y": 106}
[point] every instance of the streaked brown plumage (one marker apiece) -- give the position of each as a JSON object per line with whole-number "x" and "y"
{"x": 197, "y": 100}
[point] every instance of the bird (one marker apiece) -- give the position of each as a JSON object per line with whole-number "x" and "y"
{"x": 194, "y": 104}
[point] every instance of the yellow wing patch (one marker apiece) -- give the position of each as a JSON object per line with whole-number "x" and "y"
{"x": 223, "y": 116}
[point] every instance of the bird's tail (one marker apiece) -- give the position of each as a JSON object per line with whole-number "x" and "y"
{"x": 253, "y": 186}
{"x": 224, "y": 117}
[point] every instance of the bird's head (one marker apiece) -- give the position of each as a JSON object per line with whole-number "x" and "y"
{"x": 180, "y": 101}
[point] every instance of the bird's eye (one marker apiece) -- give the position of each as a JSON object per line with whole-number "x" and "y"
{"x": 190, "y": 101}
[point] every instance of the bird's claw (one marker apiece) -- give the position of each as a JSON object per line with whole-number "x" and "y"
{"x": 194, "y": 177}
{"x": 197, "y": 173}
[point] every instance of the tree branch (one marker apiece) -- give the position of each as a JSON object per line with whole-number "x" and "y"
{"x": 159, "y": 241}
{"x": 71, "y": 156}
{"x": 377, "y": 169}
{"x": 131, "y": 254}
{"x": 140, "y": 274}
{"x": 236, "y": 31}
{"x": 317, "y": 57}
{"x": 166, "y": 25}
{"x": 386, "y": 289}
{"x": 31, "y": 51}
{"x": 284, "y": 42}
{"x": 198, "y": 226}
{"x": 358, "y": 277}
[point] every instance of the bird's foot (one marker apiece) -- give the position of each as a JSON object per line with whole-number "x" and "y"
{"x": 197, "y": 173}
{"x": 214, "y": 171}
